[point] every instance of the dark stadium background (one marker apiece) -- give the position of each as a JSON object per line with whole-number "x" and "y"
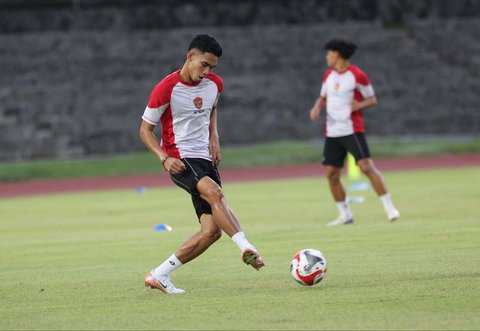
{"x": 76, "y": 75}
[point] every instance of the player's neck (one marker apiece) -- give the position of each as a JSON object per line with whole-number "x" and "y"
{"x": 184, "y": 75}
{"x": 341, "y": 66}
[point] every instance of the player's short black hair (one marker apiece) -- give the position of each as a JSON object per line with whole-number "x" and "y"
{"x": 206, "y": 44}
{"x": 346, "y": 48}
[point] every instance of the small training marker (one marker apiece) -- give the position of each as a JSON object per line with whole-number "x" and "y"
{"x": 355, "y": 199}
{"x": 359, "y": 186}
{"x": 162, "y": 227}
{"x": 140, "y": 189}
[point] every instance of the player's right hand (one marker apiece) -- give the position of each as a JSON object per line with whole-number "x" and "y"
{"x": 174, "y": 166}
{"x": 315, "y": 113}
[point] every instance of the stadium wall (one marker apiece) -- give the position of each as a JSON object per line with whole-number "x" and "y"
{"x": 70, "y": 92}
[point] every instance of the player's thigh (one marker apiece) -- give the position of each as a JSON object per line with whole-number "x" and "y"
{"x": 209, "y": 185}
{"x": 357, "y": 145}
{"x": 186, "y": 180}
{"x": 334, "y": 153}
{"x": 209, "y": 190}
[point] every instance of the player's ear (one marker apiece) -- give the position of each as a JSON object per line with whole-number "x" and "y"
{"x": 190, "y": 55}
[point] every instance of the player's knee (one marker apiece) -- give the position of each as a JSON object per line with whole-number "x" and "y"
{"x": 333, "y": 176}
{"x": 215, "y": 193}
{"x": 366, "y": 169}
{"x": 212, "y": 234}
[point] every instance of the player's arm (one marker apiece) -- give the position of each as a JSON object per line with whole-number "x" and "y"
{"x": 364, "y": 104}
{"x": 214, "y": 145}
{"x": 147, "y": 136}
{"x": 317, "y": 108}
{"x": 366, "y": 90}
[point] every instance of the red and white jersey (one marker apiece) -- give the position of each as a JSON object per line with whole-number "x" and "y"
{"x": 183, "y": 110}
{"x": 340, "y": 88}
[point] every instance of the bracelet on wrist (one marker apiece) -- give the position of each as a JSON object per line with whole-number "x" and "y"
{"x": 164, "y": 158}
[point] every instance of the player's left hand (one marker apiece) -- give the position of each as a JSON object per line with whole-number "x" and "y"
{"x": 355, "y": 105}
{"x": 315, "y": 113}
{"x": 214, "y": 149}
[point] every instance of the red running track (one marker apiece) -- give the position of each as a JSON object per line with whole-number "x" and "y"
{"x": 42, "y": 187}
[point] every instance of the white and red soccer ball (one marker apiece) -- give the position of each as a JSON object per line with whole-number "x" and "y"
{"x": 308, "y": 267}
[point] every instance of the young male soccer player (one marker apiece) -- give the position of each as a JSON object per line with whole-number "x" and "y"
{"x": 346, "y": 91}
{"x": 185, "y": 105}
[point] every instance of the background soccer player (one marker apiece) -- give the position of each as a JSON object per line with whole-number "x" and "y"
{"x": 185, "y": 104}
{"x": 346, "y": 91}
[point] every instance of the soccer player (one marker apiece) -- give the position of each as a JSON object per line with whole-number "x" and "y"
{"x": 185, "y": 105}
{"x": 346, "y": 91}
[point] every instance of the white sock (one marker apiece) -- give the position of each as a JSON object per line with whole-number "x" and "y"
{"x": 167, "y": 267}
{"x": 242, "y": 242}
{"x": 344, "y": 210}
{"x": 387, "y": 202}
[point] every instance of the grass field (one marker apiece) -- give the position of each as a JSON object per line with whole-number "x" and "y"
{"x": 77, "y": 261}
{"x": 266, "y": 154}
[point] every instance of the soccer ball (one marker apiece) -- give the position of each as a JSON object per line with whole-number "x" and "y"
{"x": 308, "y": 267}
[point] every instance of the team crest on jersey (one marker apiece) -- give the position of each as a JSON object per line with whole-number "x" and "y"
{"x": 337, "y": 86}
{"x": 198, "y": 102}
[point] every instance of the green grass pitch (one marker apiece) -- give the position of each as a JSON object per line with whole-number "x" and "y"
{"x": 77, "y": 261}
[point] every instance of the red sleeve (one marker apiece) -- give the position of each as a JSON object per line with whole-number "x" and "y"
{"x": 327, "y": 73}
{"x": 160, "y": 94}
{"x": 323, "y": 90}
{"x": 217, "y": 80}
{"x": 360, "y": 76}
{"x": 159, "y": 99}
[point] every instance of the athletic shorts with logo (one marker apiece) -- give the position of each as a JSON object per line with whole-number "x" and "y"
{"x": 336, "y": 148}
{"x": 188, "y": 179}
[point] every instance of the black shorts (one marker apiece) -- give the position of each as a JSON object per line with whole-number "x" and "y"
{"x": 335, "y": 150}
{"x": 189, "y": 178}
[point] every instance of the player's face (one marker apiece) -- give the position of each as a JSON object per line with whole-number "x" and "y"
{"x": 332, "y": 57}
{"x": 200, "y": 64}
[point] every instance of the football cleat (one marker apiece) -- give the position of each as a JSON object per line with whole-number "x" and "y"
{"x": 393, "y": 215}
{"x": 251, "y": 257}
{"x": 341, "y": 221}
{"x": 163, "y": 284}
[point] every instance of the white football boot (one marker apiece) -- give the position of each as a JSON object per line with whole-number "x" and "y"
{"x": 163, "y": 284}
{"x": 393, "y": 215}
{"x": 341, "y": 221}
